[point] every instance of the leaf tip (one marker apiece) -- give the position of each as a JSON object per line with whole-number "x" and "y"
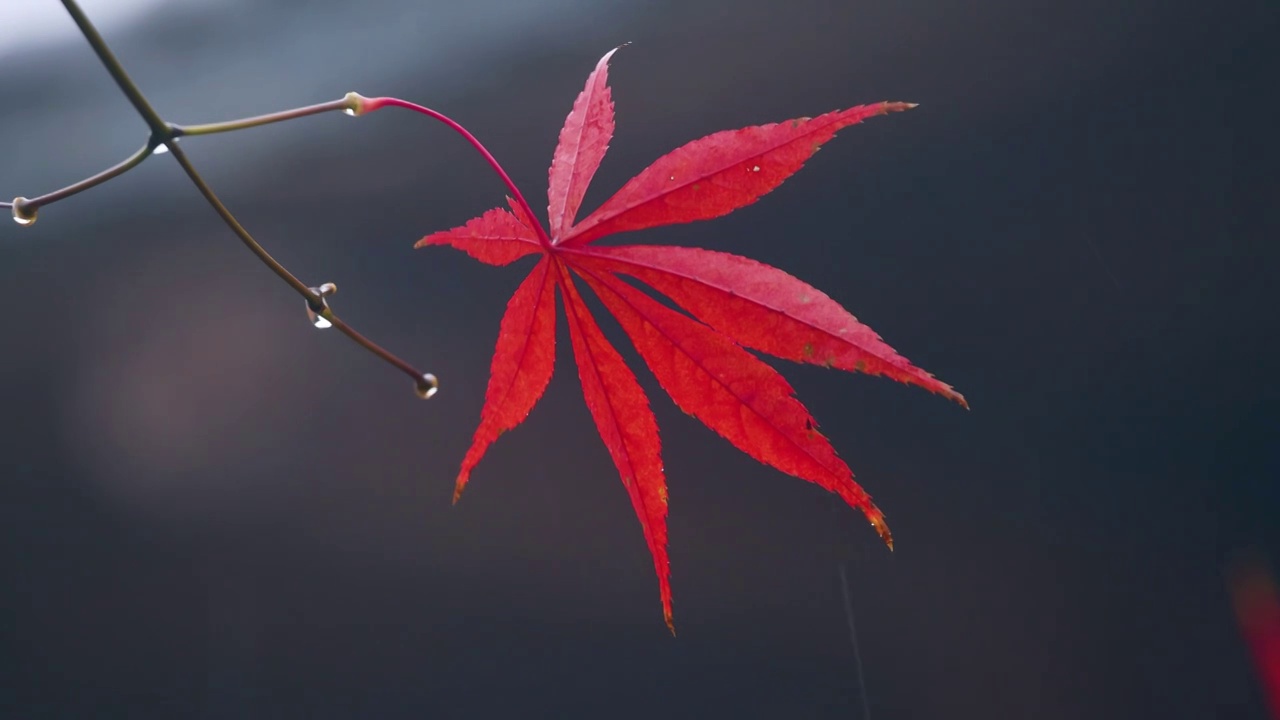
{"x": 666, "y": 615}
{"x": 898, "y": 106}
{"x": 457, "y": 488}
{"x": 949, "y": 393}
{"x": 881, "y": 527}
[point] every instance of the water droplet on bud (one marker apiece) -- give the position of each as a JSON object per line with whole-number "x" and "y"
{"x": 317, "y": 319}
{"x": 427, "y": 386}
{"x": 322, "y": 292}
{"x": 22, "y": 214}
{"x": 355, "y": 103}
{"x": 160, "y": 149}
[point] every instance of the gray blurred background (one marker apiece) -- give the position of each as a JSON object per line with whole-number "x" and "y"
{"x": 210, "y": 509}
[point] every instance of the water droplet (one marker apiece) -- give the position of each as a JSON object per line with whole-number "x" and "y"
{"x": 349, "y": 111}
{"x": 427, "y": 386}
{"x": 160, "y": 149}
{"x": 22, "y": 214}
{"x": 317, "y": 319}
{"x": 755, "y": 169}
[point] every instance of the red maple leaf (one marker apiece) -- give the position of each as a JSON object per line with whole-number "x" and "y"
{"x": 699, "y": 359}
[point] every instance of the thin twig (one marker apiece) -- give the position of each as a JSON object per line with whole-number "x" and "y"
{"x": 121, "y": 168}
{"x": 302, "y": 288}
{"x": 371, "y": 346}
{"x": 113, "y": 66}
{"x": 346, "y": 104}
{"x": 163, "y": 133}
{"x": 349, "y": 103}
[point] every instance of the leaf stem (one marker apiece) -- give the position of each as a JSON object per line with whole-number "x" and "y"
{"x": 369, "y": 105}
{"x": 163, "y": 133}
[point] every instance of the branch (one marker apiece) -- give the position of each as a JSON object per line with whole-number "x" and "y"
{"x": 27, "y": 207}
{"x": 165, "y": 134}
{"x": 349, "y": 104}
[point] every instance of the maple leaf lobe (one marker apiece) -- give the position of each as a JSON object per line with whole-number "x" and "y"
{"x": 497, "y": 237}
{"x": 626, "y": 425}
{"x": 726, "y": 388}
{"x": 697, "y": 180}
{"x": 522, "y": 365}
{"x": 764, "y": 308}
{"x": 584, "y": 139}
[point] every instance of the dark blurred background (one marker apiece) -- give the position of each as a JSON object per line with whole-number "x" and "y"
{"x": 210, "y": 509}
